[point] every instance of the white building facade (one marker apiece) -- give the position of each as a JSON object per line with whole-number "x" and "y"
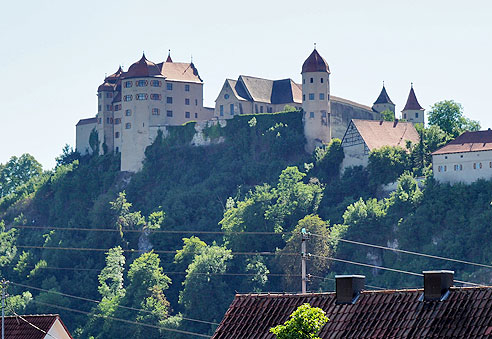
{"x": 466, "y": 159}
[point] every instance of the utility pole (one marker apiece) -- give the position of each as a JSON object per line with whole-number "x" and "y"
{"x": 303, "y": 259}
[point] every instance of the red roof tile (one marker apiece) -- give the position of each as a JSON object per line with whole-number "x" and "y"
{"x": 376, "y": 314}
{"x": 412, "y": 102}
{"x": 142, "y": 68}
{"x": 377, "y": 134}
{"x": 16, "y": 328}
{"x": 315, "y": 63}
{"x": 180, "y": 71}
{"x": 468, "y": 142}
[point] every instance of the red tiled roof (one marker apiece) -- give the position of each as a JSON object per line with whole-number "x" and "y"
{"x": 412, "y": 102}
{"x": 468, "y": 142}
{"x": 16, "y": 328}
{"x": 142, "y": 68}
{"x": 106, "y": 86}
{"x": 180, "y": 71}
{"x": 315, "y": 63}
{"x": 114, "y": 77}
{"x": 377, "y": 134}
{"x": 466, "y": 313}
{"x": 87, "y": 121}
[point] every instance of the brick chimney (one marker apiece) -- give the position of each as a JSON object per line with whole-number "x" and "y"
{"x": 348, "y": 288}
{"x": 437, "y": 284}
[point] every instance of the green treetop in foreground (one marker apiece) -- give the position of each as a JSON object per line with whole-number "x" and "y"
{"x": 304, "y": 323}
{"x": 448, "y": 115}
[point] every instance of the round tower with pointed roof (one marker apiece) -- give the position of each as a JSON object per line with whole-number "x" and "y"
{"x": 316, "y": 100}
{"x": 384, "y": 103}
{"x": 412, "y": 111}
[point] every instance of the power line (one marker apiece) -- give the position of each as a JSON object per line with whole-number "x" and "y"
{"x": 148, "y": 230}
{"x": 97, "y": 302}
{"x": 406, "y": 252}
{"x": 31, "y": 324}
{"x": 122, "y": 320}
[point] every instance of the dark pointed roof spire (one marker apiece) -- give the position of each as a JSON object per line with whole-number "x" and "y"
{"x": 412, "y": 102}
{"x": 315, "y": 63}
{"x": 383, "y": 97}
{"x": 169, "y": 57}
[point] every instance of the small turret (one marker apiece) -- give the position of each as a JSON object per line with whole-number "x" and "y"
{"x": 383, "y": 102}
{"x": 316, "y": 100}
{"x": 412, "y": 111}
{"x": 169, "y": 57}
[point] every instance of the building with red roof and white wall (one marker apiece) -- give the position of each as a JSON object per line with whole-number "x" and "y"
{"x": 466, "y": 159}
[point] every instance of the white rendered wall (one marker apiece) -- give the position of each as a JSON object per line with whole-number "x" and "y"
{"x": 354, "y": 156}
{"x": 57, "y": 331}
{"x": 316, "y": 126}
{"x": 466, "y": 173}
{"x": 415, "y": 116}
{"x": 82, "y": 134}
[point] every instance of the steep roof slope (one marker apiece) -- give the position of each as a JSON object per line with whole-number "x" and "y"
{"x": 383, "y": 98}
{"x": 468, "y": 142}
{"x": 466, "y": 313}
{"x": 412, "y": 102}
{"x": 16, "y": 328}
{"x": 377, "y": 134}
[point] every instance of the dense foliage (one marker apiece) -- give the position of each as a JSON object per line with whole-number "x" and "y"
{"x": 304, "y": 323}
{"x": 164, "y": 250}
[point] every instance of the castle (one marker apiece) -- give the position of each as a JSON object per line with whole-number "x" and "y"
{"x": 134, "y": 105}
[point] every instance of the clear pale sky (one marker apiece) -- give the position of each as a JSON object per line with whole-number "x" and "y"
{"x": 54, "y": 54}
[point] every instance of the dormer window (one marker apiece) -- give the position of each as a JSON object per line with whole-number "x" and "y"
{"x": 226, "y": 96}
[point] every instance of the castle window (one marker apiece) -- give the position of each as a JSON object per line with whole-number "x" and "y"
{"x": 445, "y": 168}
{"x": 156, "y": 83}
{"x": 461, "y": 167}
{"x": 231, "y": 108}
{"x": 117, "y": 135}
{"x": 117, "y": 107}
{"x": 99, "y": 108}
{"x": 128, "y": 112}
{"x": 269, "y": 110}
{"x": 187, "y": 88}
{"x": 221, "y": 109}
{"x": 196, "y": 102}
{"x": 490, "y": 164}
{"x": 261, "y": 109}
{"x": 128, "y": 84}
{"x": 99, "y": 120}
{"x": 322, "y": 79}
{"x": 169, "y": 113}
{"x": 322, "y": 96}
{"x": 404, "y": 115}
{"x": 196, "y": 115}
{"x": 169, "y": 100}
{"x": 142, "y": 96}
{"x": 107, "y": 120}
{"x": 128, "y": 125}
{"x": 128, "y": 97}
{"x": 311, "y": 80}
{"x": 141, "y": 83}
{"x": 117, "y": 121}
{"x": 256, "y": 108}
{"x": 108, "y": 107}
{"x": 187, "y": 115}
{"x": 155, "y": 111}
{"x": 416, "y": 115}
{"x": 474, "y": 165}
{"x": 187, "y": 101}
{"x": 169, "y": 86}
{"x": 240, "y": 108}
{"x": 109, "y": 95}
{"x": 480, "y": 165}
{"x": 311, "y": 96}
{"x": 304, "y": 97}
{"x": 155, "y": 96}
{"x": 226, "y": 96}
{"x": 117, "y": 149}
{"x": 311, "y": 115}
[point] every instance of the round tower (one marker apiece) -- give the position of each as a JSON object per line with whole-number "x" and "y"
{"x": 412, "y": 111}
{"x": 316, "y": 100}
{"x": 384, "y": 103}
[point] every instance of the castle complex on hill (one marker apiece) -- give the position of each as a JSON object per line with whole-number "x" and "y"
{"x": 134, "y": 105}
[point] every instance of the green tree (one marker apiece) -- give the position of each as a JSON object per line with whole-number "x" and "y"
{"x": 388, "y": 115}
{"x": 387, "y": 163}
{"x": 304, "y": 323}
{"x": 205, "y": 294}
{"x": 449, "y": 116}
{"x": 68, "y": 156}
{"x": 18, "y": 171}
{"x": 94, "y": 142}
{"x": 328, "y": 160}
{"x": 111, "y": 276}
